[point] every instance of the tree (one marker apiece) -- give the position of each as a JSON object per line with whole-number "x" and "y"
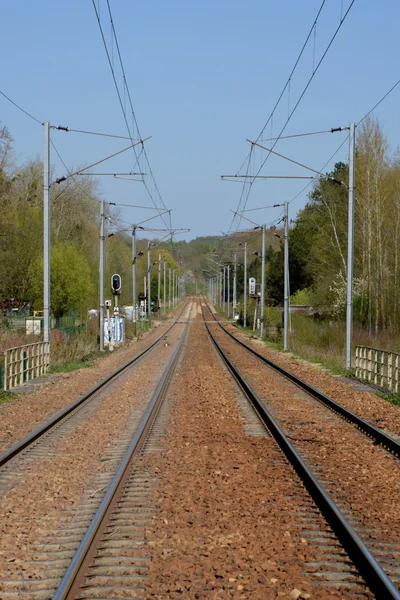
{"x": 71, "y": 287}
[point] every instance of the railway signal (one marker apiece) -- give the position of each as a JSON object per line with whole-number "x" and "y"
{"x": 116, "y": 284}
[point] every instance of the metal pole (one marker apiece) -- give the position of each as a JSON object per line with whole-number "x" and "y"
{"x": 145, "y": 294}
{"x": 234, "y": 287}
{"x": 165, "y": 288}
{"x": 159, "y": 284}
{"x": 173, "y": 288}
{"x": 101, "y": 275}
{"x": 245, "y": 286}
{"x": 262, "y": 299}
{"x": 220, "y": 288}
{"x": 229, "y": 291}
{"x": 149, "y": 283}
{"x": 134, "y": 280}
{"x": 350, "y": 248}
{"x": 286, "y": 280}
{"x": 223, "y": 291}
{"x": 169, "y": 289}
{"x": 46, "y": 232}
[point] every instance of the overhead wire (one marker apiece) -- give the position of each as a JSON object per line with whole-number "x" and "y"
{"x": 248, "y": 190}
{"x": 122, "y": 105}
{"x": 271, "y": 116}
{"x": 21, "y": 109}
{"x": 347, "y": 137}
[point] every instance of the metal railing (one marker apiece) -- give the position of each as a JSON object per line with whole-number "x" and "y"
{"x": 380, "y": 367}
{"x": 24, "y": 363}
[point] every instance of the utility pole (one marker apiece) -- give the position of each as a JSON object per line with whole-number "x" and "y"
{"x": 223, "y": 291}
{"x": 145, "y": 294}
{"x": 262, "y": 299}
{"x": 350, "y": 247}
{"x": 220, "y": 287}
{"x": 46, "y": 233}
{"x": 101, "y": 275}
{"x": 169, "y": 289}
{"x": 173, "y": 288}
{"x": 286, "y": 279}
{"x": 245, "y": 286}
{"x": 159, "y": 285}
{"x": 234, "y": 287}
{"x": 229, "y": 291}
{"x": 134, "y": 280}
{"x": 149, "y": 284}
{"x": 165, "y": 289}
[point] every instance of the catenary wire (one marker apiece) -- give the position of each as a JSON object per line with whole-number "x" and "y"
{"x": 292, "y": 111}
{"x": 21, "y": 109}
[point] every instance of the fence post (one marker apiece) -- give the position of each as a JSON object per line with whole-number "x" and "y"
{"x": 5, "y": 372}
{"x": 390, "y": 371}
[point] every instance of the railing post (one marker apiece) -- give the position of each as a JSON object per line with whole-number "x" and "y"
{"x": 5, "y": 372}
{"x": 390, "y": 371}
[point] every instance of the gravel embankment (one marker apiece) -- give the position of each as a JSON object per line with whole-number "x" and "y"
{"x": 51, "y": 484}
{"x": 367, "y": 405}
{"x": 227, "y": 524}
{"x": 364, "y": 476}
{"x": 21, "y": 416}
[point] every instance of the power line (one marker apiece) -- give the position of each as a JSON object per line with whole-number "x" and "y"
{"x": 20, "y": 108}
{"x": 110, "y": 135}
{"x": 347, "y": 137}
{"x": 380, "y": 101}
{"x": 295, "y": 106}
{"x": 126, "y": 87}
{"x": 287, "y": 137}
{"x": 71, "y": 175}
{"x": 133, "y": 114}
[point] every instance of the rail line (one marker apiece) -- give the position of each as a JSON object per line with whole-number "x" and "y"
{"x": 376, "y": 434}
{"x": 369, "y": 568}
{"x": 112, "y": 513}
{"x": 83, "y": 400}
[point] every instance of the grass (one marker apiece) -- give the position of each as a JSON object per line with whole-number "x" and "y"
{"x": 392, "y": 397}
{"x": 7, "y": 396}
{"x": 87, "y": 360}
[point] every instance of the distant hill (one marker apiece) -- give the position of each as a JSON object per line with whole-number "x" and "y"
{"x": 194, "y": 254}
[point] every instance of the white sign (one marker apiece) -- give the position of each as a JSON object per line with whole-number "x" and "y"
{"x": 252, "y": 286}
{"x": 117, "y": 330}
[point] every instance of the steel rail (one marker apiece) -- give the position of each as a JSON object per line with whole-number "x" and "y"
{"x": 373, "y": 574}
{"x": 376, "y": 434}
{"x": 85, "y": 551}
{"x": 14, "y": 450}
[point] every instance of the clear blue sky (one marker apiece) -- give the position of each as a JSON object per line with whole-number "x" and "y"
{"x": 204, "y": 76}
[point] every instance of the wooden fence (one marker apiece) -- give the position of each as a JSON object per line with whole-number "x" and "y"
{"x": 378, "y": 366}
{"x": 25, "y": 363}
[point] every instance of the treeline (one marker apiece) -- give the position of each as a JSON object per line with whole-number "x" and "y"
{"x": 318, "y": 238}
{"x": 75, "y": 225}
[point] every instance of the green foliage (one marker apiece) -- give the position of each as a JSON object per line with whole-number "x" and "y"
{"x": 71, "y": 285}
{"x": 302, "y": 298}
{"x": 8, "y": 396}
{"x": 392, "y": 397}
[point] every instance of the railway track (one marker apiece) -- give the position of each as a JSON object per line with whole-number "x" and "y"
{"x": 102, "y": 549}
{"x": 110, "y": 559}
{"x": 375, "y": 553}
{"x": 48, "y": 555}
{"x": 379, "y": 436}
{"x": 62, "y": 416}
